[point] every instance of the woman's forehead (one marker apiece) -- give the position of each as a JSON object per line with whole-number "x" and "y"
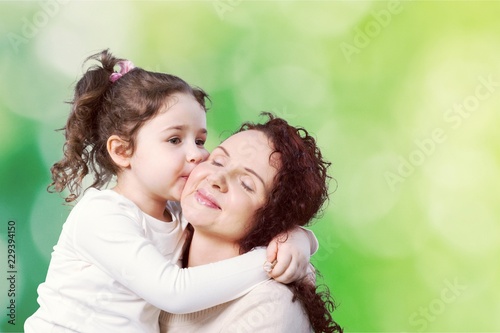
{"x": 248, "y": 143}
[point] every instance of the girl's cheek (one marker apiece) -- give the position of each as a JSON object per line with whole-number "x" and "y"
{"x": 205, "y": 155}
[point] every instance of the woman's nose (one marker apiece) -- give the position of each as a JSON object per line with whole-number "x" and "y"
{"x": 218, "y": 181}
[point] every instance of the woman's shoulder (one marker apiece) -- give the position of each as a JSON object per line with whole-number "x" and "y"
{"x": 269, "y": 307}
{"x": 273, "y": 290}
{"x": 278, "y": 298}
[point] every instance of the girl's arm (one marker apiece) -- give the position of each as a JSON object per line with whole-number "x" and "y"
{"x": 115, "y": 243}
{"x": 290, "y": 254}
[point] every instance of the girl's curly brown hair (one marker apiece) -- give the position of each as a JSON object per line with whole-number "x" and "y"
{"x": 101, "y": 108}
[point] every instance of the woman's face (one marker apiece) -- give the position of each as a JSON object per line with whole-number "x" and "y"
{"x": 223, "y": 193}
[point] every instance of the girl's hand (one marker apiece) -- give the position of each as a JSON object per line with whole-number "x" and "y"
{"x": 288, "y": 255}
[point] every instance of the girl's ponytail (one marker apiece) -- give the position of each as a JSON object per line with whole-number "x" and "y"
{"x": 82, "y": 129}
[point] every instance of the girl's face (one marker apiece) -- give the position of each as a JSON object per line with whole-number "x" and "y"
{"x": 168, "y": 147}
{"x": 223, "y": 193}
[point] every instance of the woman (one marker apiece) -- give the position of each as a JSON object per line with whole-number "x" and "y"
{"x": 260, "y": 182}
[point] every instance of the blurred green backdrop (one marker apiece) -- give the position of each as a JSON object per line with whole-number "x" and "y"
{"x": 403, "y": 97}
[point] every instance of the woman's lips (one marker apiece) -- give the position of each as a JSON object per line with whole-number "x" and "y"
{"x": 206, "y": 199}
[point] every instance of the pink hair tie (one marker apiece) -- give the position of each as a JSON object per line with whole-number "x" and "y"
{"x": 125, "y": 67}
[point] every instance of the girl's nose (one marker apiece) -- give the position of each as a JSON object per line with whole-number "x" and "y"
{"x": 196, "y": 155}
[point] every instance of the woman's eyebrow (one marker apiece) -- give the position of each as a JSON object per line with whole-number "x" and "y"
{"x": 256, "y": 175}
{"x": 247, "y": 169}
{"x": 224, "y": 150}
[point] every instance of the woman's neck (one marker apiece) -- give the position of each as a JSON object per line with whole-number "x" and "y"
{"x": 205, "y": 250}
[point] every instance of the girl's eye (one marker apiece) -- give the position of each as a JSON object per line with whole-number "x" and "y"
{"x": 175, "y": 141}
{"x": 200, "y": 142}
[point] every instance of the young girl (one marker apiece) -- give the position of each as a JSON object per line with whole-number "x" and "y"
{"x": 113, "y": 268}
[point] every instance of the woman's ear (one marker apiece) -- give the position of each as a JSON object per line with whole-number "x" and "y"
{"x": 119, "y": 151}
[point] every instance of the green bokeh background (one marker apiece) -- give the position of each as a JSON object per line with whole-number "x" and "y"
{"x": 402, "y": 96}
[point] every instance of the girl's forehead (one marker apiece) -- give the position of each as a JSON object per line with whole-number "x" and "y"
{"x": 179, "y": 97}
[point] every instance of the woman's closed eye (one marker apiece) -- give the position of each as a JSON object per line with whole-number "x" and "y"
{"x": 247, "y": 182}
{"x": 217, "y": 163}
{"x": 246, "y": 187}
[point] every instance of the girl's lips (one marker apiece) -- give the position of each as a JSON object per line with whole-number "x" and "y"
{"x": 206, "y": 199}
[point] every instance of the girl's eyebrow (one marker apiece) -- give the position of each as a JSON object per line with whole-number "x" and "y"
{"x": 176, "y": 127}
{"x": 181, "y": 128}
{"x": 247, "y": 169}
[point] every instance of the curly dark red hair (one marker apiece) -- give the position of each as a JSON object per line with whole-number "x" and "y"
{"x": 299, "y": 192}
{"x": 301, "y": 184}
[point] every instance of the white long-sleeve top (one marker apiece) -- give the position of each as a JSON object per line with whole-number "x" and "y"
{"x": 114, "y": 268}
{"x": 268, "y": 308}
